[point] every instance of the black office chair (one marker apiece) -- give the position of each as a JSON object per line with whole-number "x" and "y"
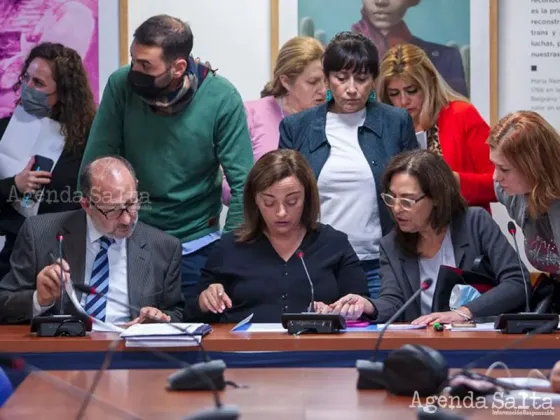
{"x": 543, "y": 295}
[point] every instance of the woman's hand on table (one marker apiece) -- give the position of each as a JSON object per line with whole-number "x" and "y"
{"x": 352, "y": 306}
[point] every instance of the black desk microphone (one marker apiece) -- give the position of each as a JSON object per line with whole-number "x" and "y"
{"x": 463, "y": 389}
{"x": 310, "y": 321}
{"x": 311, "y": 307}
{"x": 60, "y": 325}
{"x": 206, "y": 375}
{"x": 512, "y": 231}
{"x": 408, "y": 370}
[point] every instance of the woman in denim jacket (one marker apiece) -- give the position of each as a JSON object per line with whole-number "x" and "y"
{"x": 348, "y": 141}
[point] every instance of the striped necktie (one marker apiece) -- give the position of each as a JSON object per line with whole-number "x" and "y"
{"x": 96, "y": 303}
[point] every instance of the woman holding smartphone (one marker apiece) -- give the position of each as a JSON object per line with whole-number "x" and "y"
{"x": 43, "y": 140}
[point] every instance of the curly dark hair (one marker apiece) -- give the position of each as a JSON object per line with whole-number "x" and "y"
{"x": 75, "y": 108}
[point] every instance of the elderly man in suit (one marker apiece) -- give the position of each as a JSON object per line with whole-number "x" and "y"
{"x": 105, "y": 246}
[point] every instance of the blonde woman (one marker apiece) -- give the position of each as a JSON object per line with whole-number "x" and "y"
{"x": 298, "y": 83}
{"x": 451, "y": 126}
{"x": 525, "y": 149}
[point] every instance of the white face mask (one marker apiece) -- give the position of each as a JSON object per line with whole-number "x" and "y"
{"x": 461, "y": 295}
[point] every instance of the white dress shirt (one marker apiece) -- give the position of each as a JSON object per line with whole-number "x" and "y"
{"x": 118, "y": 279}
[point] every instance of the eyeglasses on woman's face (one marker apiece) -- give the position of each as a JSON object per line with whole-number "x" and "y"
{"x": 405, "y": 203}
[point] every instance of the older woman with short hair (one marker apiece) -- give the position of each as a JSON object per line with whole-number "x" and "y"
{"x": 259, "y": 268}
{"x": 298, "y": 83}
{"x": 434, "y": 227}
{"x": 451, "y": 126}
{"x": 348, "y": 141}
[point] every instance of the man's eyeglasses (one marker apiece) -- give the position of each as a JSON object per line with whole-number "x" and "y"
{"x": 115, "y": 213}
{"x": 406, "y": 203}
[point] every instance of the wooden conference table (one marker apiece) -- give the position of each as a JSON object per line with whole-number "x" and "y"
{"x": 242, "y": 349}
{"x": 294, "y": 393}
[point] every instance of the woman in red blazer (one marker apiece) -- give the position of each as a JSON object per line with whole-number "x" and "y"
{"x": 453, "y": 127}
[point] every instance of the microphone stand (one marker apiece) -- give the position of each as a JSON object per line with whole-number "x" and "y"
{"x": 465, "y": 389}
{"x": 310, "y": 321}
{"x": 201, "y": 376}
{"x": 370, "y": 371}
{"x": 104, "y": 366}
{"x": 60, "y": 325}
{"x": 527, "y": 321}
{"x": 219, "y": 412}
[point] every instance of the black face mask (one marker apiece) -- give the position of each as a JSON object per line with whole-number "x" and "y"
{"x": 145, "y": 85}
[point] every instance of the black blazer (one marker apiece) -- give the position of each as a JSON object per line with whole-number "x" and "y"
{"x": 474, "y": 234}
{"x": 259, "y": 282}
{"x": 63, "y": 186}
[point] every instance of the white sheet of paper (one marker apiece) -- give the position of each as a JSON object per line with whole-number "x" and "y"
{"x": 265, "y": 327}
{"x": 160, "y": 329}
{"x": 162, "y": 343}
{"x": 422, "y": 138}
{"x": 26, "y": 136}
{"x": 276, "y": 328}
{"x": 98, "y": 326}
{"x": 401, "y": 327}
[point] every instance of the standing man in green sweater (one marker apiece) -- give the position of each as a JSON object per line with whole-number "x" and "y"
{"x": 177, "y": 123}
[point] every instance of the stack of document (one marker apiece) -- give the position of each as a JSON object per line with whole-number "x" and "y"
{"x": 165, "y": 335}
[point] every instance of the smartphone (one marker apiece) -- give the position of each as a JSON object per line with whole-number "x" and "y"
{"x": 42, "y": 163}
{"x": 463, "y": 325}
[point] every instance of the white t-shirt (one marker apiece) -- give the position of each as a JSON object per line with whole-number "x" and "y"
{"x": 347, "y": 187}
{"x": 429, "y": 269}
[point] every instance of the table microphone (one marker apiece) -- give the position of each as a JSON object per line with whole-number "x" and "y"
{"x": 464, "y": 389}
{"x": 192, "y": 378}
{"x": 412, "y": 368}
{"x": 523, "y": 322}
{"x": 311, "y": 307}
{"x": 310, "y": 321}
{"x": 60, "y": 325}
{"x": 59, "y": 239}
{"x": 513, "y": 230}
{"x": 218, "y": 412}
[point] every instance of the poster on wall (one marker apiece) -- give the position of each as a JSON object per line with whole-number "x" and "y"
{"x": 440, "y": 27}
{"x": 26, "y": 23}
{"x": 529, "y": 51}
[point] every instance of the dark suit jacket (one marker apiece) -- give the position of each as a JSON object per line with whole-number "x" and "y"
{"x": 387, "y": 131}
{"x": 474, "y": 234}
{"x": 153, "y": 265}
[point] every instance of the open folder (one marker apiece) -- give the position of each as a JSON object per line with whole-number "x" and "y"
{"x": 165, "y": 335}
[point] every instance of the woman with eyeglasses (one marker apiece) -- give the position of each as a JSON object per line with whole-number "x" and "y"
{"x": 434, "y": 227}
{"x": 49, "y": 126}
